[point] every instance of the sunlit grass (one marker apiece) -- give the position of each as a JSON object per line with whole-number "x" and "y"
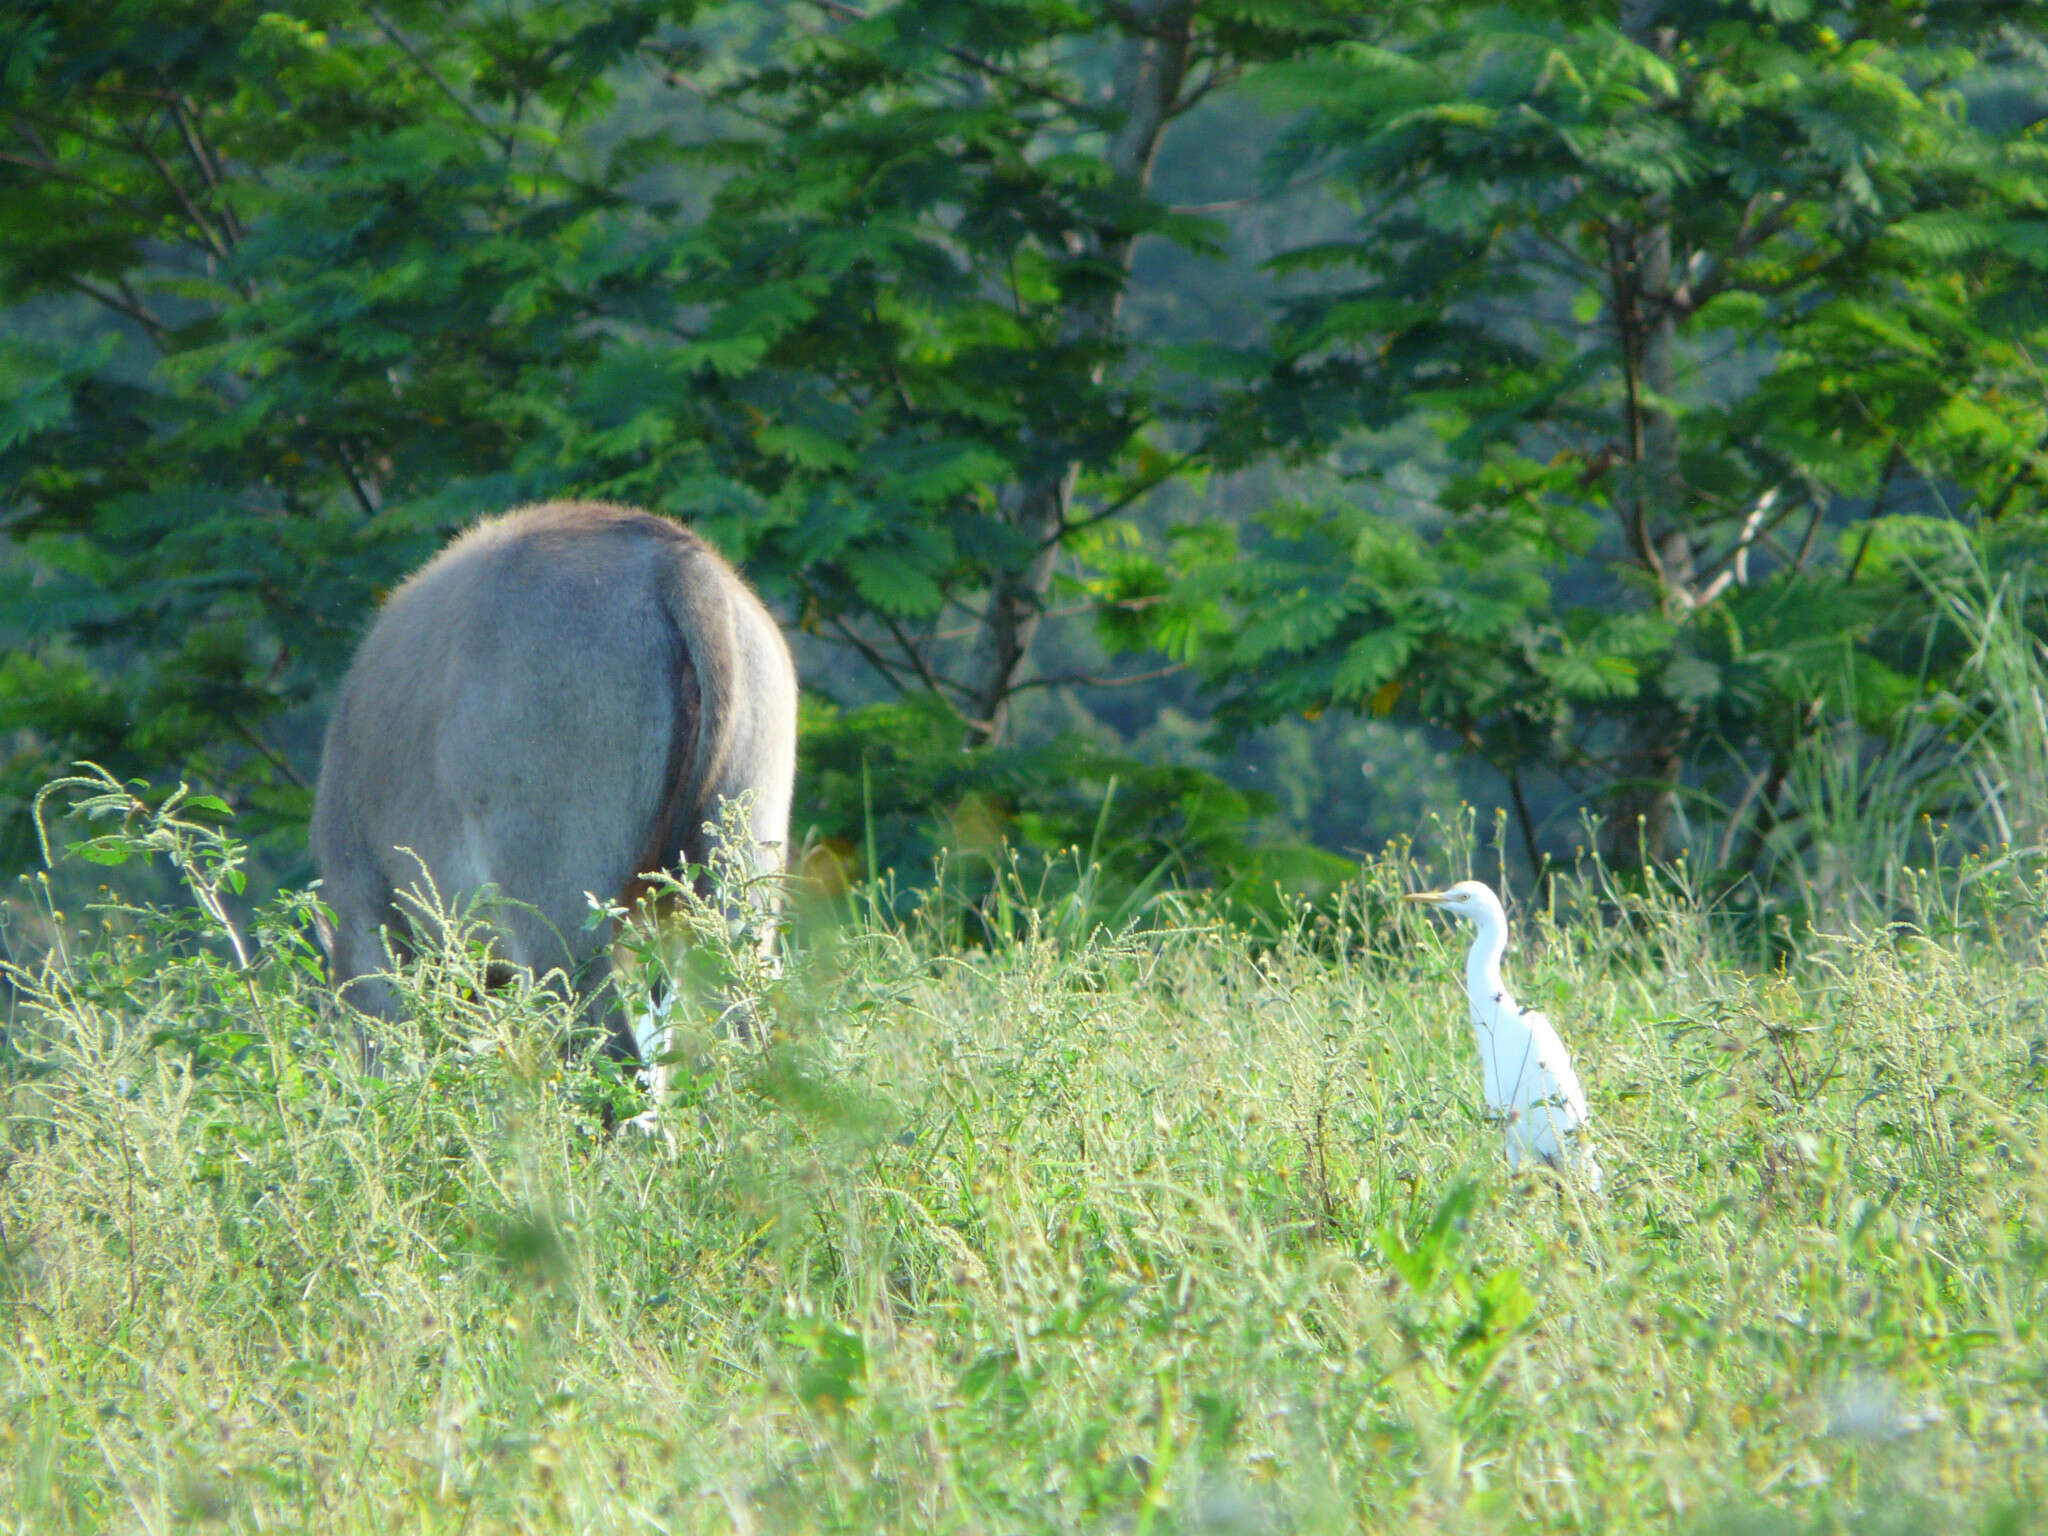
{"x": 1172, "y": 1229}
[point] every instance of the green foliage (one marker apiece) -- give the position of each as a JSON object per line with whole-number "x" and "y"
{"x": 1606, "y": 444}
{"x": 303, "y": 291}
{"x": 903, "y": 315}
{"x": 343, "y": 262}
{"x": 1066, "y": 824}
{"x": 1676, "y": 304}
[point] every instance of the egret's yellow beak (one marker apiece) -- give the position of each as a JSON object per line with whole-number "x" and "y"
{"x": 1433, "y": 897}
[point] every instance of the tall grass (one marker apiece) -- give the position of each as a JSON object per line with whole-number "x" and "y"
{"x": 1160, "y": 1228}
{"x": 1961, "y": 773}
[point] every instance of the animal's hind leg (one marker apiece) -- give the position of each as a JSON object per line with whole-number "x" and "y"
{"x": 605, "y": 1011}
{"x": 356, "y": 962}
{"x": 609, "y": 1014}
{"x": 646, "y": 1038}
{"x": 549, "y": 939}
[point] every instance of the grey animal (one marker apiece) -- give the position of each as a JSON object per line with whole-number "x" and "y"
{"x": 555, "y": 704}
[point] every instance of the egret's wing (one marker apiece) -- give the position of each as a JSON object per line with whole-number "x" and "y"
{"x": 1529, "y": 1085}
{"x": 1558, "y": 1083}
{"x": 1525, "y": 1065}
{"x": 1564, "y": 1107}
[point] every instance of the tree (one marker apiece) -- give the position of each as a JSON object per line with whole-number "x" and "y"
{"x": 305, "y": 289}
{"x": 303, "y": 285}
{"x": 1679, "y": 291}
{"x": 908, "y": 293}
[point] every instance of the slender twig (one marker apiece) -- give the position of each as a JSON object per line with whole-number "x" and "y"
{"x": 1732, "y": 564}
{"x": 1092, "y": 680}
{"x": 2018, "y": 478}
{"x": 1856, "y": 560}
{"x": 1766, "y": 814}
{"x": 1807, "y": 540}
{"x": 31, "y": 124}
{"x": 1892, "y": 461}
{"x": 270, "y": 754}
{"x": 1064, "y": 611}
{"x": 508, "y": 142}
{"x": 1123, "y": 503}
{"x": 977, "y": 62}
{"x": 216, "y": 241}
{"x": 202, "y": 156}
{"x": 469, "y": 110}
{"x": 361, "y": 492}
{"x": 122, "y": 306}
{"x": 910, "y": 648}
{"x": 58, "y": 173}
{"x": 902, "y": 389}
{"x": 1774, "y": 785}
{"x": 1219, "y": 75}
{"x": 880, "y": 663}
{"x": 566, "y": 115}
{"x": 869, "y": 654}
{"x": 1690, "y": 297}
{"x": 1804, "y": 273}
{"x": 1622, "y": 285}
{"x": 896, "y": 680}
{"x": 1570, "y": 261}
{"x": 1735, "y": 819}
{"x": 1250, "y": 199}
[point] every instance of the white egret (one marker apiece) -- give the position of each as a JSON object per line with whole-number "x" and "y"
{"x": 1528, "y": 1078}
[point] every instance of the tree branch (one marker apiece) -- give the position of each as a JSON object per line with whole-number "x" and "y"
{"x": 894, "y": 678}
{"x": 209, "y": 165}
{"x": 1093, "y": 680}
{"x": 32, "y": 125}
{"x": 1123, "y": 503}
{"x": 1570, "y": 262}
{"x": 2018, "y": 478}
{"x": 270, "y": 754}
{"x": 58, "y": 173}
{"x": 1621, "y": 286}
{"x": 1539, "y": 862}
{"x": 868, "y": 653}
{"x": 1892, "y": 461}
{"x": 981, "y": 65}
{"x": 931, "y": 679}
{"x": 355, "y": 481}
{"x": 216, "y": 241}
{"x": 1690, "y": 295}
{"x": 1250, "y": 199}
{"x": 1219, "y": 75}
{"x": 1731, "y": 566}
{"x": 122, "y": 306}
{"x": 425, "y": 66}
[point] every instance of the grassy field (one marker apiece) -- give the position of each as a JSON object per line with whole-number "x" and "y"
{"x": 1173, "y": 1229}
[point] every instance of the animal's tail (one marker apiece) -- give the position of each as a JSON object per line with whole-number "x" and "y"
{"x": 699, "y": 600}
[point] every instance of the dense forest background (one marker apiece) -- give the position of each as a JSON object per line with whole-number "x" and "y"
{"x": 1214, "y": 435}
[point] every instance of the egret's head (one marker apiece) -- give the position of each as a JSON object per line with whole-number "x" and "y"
{"x": 1470, "y": 899}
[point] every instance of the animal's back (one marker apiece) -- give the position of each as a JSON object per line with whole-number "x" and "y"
{"x": 548, "y": 707}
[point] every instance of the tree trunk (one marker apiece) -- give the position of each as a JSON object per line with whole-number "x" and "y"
{"x": 1643, "y": 809}
{"x": 1152, "y": 65}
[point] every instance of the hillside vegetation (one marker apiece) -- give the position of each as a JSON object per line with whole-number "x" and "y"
{"x": 1173, "y": 1228}
{"x": 1577, "y": 409}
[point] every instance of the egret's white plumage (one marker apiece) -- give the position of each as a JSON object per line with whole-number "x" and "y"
{"x": 1528, "y": 1078}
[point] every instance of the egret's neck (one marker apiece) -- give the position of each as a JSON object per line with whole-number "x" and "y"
{"x": 1488, "y": 992}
